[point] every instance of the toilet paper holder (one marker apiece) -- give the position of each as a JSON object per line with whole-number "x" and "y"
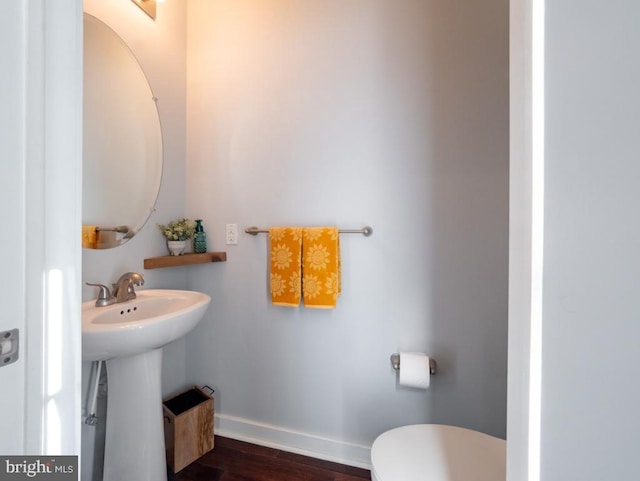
{"x": 395, "y": 363}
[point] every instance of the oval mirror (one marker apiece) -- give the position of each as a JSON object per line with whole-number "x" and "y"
{"x": 122, "y": 150}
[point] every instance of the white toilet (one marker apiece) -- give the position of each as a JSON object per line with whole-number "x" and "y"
{"x": 433, "y": 452}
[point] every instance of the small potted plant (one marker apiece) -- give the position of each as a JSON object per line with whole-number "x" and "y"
{"x": 177, "y": 233}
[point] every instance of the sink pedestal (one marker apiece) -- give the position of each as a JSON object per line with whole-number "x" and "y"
{"x": 134, "y": 444}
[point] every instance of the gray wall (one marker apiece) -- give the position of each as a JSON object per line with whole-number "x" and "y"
{"x": 352, "y": 113}
{"x": 591, "y": 304}
{"x": 160, "y": 47}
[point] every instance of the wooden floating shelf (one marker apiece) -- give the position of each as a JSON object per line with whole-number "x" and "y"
{"x": 184, "y": 260}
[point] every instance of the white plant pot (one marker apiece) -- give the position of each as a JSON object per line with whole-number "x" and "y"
{"x": 176, "y": 248}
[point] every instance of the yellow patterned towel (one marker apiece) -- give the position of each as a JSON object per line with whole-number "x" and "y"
{"x": 321, "y": 267}
{"x": 286, "y": 258}
{"x": 89, "y": 236}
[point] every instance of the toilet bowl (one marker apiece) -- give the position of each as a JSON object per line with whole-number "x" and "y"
{"x": 434, "y": 452}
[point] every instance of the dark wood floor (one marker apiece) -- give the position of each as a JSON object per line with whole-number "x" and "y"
{"x": 232, "y": 460}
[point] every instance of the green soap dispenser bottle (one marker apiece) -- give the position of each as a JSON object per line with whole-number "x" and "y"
{"x": 199, "y": 239}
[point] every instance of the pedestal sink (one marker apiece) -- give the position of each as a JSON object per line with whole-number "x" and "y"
{"x": 129, "y": 336}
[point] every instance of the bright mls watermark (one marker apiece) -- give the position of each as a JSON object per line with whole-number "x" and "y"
{"x": 58, "y": 468}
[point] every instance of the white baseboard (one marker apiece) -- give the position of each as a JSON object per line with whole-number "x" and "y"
{"x": 293, "y": 441}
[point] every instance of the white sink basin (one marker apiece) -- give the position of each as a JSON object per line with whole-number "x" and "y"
{"x": 129, "y": 336}
{"x": 155, "y": 318}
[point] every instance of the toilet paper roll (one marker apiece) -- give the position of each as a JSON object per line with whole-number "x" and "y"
{"x": 414, "y": 370}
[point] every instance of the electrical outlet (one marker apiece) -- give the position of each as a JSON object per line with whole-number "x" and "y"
{"x": 232, "y": 234}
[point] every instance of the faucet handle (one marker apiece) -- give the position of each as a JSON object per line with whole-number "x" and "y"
{"x": 104, "y": 296}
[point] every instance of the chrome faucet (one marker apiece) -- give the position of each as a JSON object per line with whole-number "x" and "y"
{"x": 104, "y": 297}
{"x": 123, "y": 289}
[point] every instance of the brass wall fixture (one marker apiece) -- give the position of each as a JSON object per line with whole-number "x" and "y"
{"x": 149, "y": 7}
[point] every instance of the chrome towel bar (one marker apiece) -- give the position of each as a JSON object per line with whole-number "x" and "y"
{"x": 121, "y": 229}
{"x": 366, "y": 231}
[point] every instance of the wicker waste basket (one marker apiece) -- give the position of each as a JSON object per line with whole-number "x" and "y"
{"x": 188, "y": 427}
